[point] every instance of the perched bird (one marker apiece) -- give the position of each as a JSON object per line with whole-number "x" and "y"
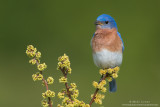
{"x": 107, "y": 45}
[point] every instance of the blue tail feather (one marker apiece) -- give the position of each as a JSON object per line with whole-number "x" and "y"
{"x": 112, "y": 86}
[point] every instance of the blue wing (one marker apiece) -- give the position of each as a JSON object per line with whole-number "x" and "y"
{"x": 121, "y": 40}
{"x": 93, "y": 35}
{"x": 91, "y": 40}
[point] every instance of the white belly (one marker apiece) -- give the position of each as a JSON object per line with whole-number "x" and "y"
{"x": 106, "y": 59}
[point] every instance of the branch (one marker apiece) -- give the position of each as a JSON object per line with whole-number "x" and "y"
{"x": 66, "y": 84}
{"x": 45, "y": 83}
{"x": 95, "y": 93}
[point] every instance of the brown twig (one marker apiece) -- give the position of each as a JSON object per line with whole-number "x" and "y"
{"x": 49, "y": 101}
{"x": 46, "y": 85}
{"x": 95, "y": 93}
{"x": 66, "y": 84}
{"x": 94, "y": 96}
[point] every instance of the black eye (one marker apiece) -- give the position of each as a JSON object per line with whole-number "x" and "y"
{"x": 106, "y": 22}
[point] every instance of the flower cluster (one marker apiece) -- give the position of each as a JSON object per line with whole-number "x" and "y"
{"x": 45, "y": 103}
{"x": 37, "y": 76}
{"x": 70, "y": 94}
{"x": 100, "y": 85}
{"x": 63, "y": 80}
{"x": 75, "y": 103}
{"x": 111, "y": 72}
{"x": 98, "y": 98}
{"x": 50, "y": 80}
{"x": 33, "y": 61}
{"x": 61, "y": 94}
{"x": 36, "y": 55}
{"x": 74, "y": 92}
{"x": 31, "y": 51}
{"x": 64, "y": 63}
{"x": 48, "y": 93}
{"x": 41, "y": 67}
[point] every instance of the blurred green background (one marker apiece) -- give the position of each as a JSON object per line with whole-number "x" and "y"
{"x": 57, "y": 27}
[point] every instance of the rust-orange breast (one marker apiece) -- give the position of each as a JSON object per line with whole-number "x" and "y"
{"x": 106, "y": 39}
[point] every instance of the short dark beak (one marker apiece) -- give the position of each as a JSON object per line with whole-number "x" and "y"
{"x": 98, "y": 23}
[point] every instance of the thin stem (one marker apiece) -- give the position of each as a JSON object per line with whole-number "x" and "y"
{"x": 94, "y": 96}
{"x": 103, "y": 77}
{"x": 46, "y": 84}
{"x": 68, "y": 93}
{"x": 66, "y": 84}
{"x": 49, "y": 101}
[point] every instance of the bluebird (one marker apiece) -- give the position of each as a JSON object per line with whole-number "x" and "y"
{"x": 107, "y": 45}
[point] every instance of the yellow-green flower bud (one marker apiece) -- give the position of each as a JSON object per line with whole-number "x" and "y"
{"x": 116, "y": 69}
{"x": 104, "y": 89}
{"x": 63, "y": 80}
{"x": 50, "y": 80}
{"x": 73, "y": 85}
{"x": 102, "y": 71}
{"x": 114, "y": 75}
{"x": 95, "y": 84}
{"x": 50, "y": 93}
{"x": 82, "y": 104}
{"x": 103, "y": 82}
{"x": 99, "y": 98}
{"x": 109, "y": 79}
{"x": 75, "y": 93}
{"x": 60, "y": 95}
{"x": 33, "y": 61}
{"x": 110, "y": 70}
{"x": 98, "y": 101}
{"x": 65, "y": 101}
{"x": 45, "y": 103}
{"x": 37, "y": 76}
{"x": 69, "y": 70}
{"x": 44, "y": 95}
{"x": 41, "y": 67}
{"x": 38, "y": 55}
{"x": 87, "y": 105}
{"x": 64, "y": 63}
{"x": 34, "y": 76}
{"x": 31, "y": 51}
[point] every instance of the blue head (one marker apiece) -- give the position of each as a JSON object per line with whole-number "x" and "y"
{"x": 105, "y": 21}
